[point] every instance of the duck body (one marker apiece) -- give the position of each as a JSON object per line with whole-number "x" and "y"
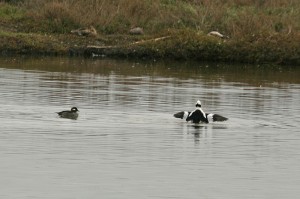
{"x": 72, "y": 114}
{"x": 88, "y": 32}
{"x": 209, "y": 117}
{"x": 199, "y": 116}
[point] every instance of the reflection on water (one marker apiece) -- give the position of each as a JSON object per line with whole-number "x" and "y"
{"x": 126, "y": 144}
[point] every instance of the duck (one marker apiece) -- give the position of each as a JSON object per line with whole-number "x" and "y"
{"x": 136, "y": 31}
{"x": 199, "y": 116}
{"x": 72, "y": 114}
{"x": 88, "y": 32}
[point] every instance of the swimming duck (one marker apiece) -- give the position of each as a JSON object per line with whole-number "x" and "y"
{"x": 72, "y": 114}
{"x": 198, "y": 115}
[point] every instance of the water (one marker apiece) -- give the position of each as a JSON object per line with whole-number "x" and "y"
{"x": 126, "y": 143}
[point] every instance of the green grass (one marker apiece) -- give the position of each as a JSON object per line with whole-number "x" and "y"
{"x": 10, "y": 12}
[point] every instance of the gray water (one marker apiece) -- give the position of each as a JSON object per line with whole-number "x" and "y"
{"x": 126, "y": 142}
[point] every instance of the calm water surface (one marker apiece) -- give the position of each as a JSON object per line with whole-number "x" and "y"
{"x": 126, "y": 143}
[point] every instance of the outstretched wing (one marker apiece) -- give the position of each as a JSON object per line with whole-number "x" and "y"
{"x": 219, "y": 118}
{"x": 182, "y": 114}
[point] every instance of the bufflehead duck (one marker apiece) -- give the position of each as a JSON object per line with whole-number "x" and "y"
{"x": 198, "y": 115}
{"x": 72, "y": 114}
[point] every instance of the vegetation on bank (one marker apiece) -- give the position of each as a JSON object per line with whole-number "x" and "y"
{"x": 258, "y": 30}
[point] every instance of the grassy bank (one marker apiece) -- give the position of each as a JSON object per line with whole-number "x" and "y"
{"x": 258, "y": 31}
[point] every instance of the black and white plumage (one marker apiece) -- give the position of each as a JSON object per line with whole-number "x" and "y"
{"x": 210, "y": 117}
{"x": 72, "y": 114}
{"x": 182, "y": 114}
{"x": 199, "y": 116}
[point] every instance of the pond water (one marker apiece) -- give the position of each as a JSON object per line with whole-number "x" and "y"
{"x": 126, "y": 142}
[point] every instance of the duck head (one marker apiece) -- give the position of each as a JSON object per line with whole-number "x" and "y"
{"x": 198, "y": 104}
{"x": 74, "y": 109}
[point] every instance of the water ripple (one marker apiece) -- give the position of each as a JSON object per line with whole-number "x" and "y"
{"x": 126, "y": 142}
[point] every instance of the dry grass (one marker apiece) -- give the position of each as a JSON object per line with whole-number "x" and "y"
{"x": 232, "y": 17}
{"x": 259, "y": 30}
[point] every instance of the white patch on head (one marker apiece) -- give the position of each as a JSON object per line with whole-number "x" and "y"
{"x": 198, "y": 103}
{"x": 74, "y": 109}
{"x": 210, "y": 117}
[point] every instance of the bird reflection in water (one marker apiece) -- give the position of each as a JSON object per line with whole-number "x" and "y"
{"x": 203, "y": 133}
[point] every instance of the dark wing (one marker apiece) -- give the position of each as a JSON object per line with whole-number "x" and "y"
{"x": 219, "y": 118}
{"x": 182, "y": 114}
{"x": 179, "y": 114}
{"x": 62, "y": 113}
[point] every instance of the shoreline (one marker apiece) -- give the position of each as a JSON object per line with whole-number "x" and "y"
{"x": 231, "y": 35}
{"x": 178, "y": 45}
